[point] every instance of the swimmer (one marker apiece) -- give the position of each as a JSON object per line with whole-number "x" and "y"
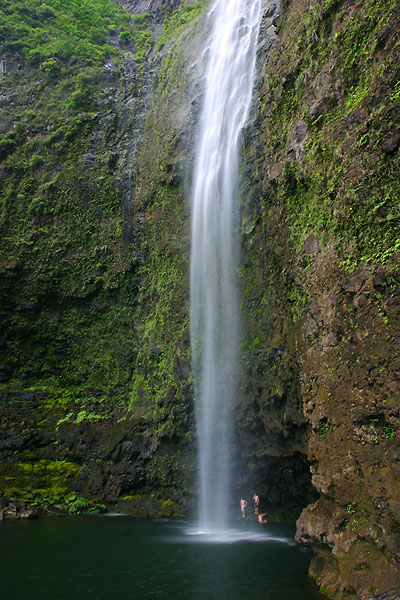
{"x": 261, "y": 518}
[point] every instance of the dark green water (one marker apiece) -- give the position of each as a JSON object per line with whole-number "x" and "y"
{"x": 113, "y": 558}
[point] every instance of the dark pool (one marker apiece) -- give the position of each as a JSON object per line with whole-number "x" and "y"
{"x": 120, "y": 557}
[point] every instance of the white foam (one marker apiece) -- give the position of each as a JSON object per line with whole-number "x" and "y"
{"x": 234, "y": 536}
{"x": 113, "y": 514}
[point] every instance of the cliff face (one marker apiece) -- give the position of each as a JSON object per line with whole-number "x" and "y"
{"x": 96, "y": 150}
{"x": 321, "y": 227}
{"x": 96, "y": 391}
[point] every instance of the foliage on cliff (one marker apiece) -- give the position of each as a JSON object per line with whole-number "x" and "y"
{"x": 44, "y": 32}
{"x": 337, "y": 135}
{"x": 94, "y": 346}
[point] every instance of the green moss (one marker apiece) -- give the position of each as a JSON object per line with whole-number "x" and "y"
{"x": 177, "y": 21}
{"x": 44, "y": 479}
{"x": 64, "y": 229}
{"x": 161, "y": 376}
{"x": 344, "y": 186}
{"x": 45, "y": 485}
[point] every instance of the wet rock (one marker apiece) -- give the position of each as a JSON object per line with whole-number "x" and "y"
{"x": 297, "y": 140}
{"x": 311, "y": 245}
{"x": 275, "y": 170}
{"x": 183, "y": 368}
{"x": 311, "y": 326}
{"x": 328, "y": 340}
{"x": 145, "y": 505}
{"x": 379, "y": 281}
{"x": 318, "y": 109}
{"x": 355, "y": 173}
{"x": 5, "y": 126}
{"x": 353, "y": 284}
{"x": 27, "y": 513}
{"x": 6, "y": 67}
{"x": 391, "y": 595}
{"x": 26, "y": 396}
{"x": 10, "y": 440}
{"x": 268, "y": 40}
{"x": 10, "y": 511}
{"x": 271, "y": 10}
{"x": 354, "y": 118}
{"x": 392, "y": 143}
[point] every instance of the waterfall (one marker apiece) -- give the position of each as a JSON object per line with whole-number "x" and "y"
{"x": 214, "y": 293}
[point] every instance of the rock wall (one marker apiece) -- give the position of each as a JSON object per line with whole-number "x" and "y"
{"x": 321, "y": 227}
{"x": 96, "y": 391}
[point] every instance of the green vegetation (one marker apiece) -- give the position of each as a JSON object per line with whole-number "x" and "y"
{"x": 162, "y": 373}
{"x": 45, "y": 484}
{"x": 345, "y": 185}
{"x": 179, "y": 19}
{"x": 54, "y": 33}
{"x": 62, "y": 218}
{"x": 92, "y": 265}
{"x": 324, "y": 428}
{"x": 145, "y": 505}
{"x": 141, "y": 35}
{"x": 58, "y": 30}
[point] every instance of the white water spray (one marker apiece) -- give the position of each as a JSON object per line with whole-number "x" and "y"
{"x": 215, "y": 320}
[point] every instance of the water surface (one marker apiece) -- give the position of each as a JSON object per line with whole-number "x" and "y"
{"x": 96, "y": 558}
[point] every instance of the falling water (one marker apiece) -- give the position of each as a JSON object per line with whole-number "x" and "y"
{"x": 215, "y": 320}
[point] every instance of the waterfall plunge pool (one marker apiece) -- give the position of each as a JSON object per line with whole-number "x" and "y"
{"x": 125, "y": 558}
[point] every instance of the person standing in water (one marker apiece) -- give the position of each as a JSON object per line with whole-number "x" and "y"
{"x": 256, "y": 501}
{"x": 243, "y": 504}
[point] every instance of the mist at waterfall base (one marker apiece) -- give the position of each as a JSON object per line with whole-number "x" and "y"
{"x": 125, "y": 558}
{"x": 214, "y": 295}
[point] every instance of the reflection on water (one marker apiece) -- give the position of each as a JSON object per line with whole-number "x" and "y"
{"x": 96, "y": 558}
